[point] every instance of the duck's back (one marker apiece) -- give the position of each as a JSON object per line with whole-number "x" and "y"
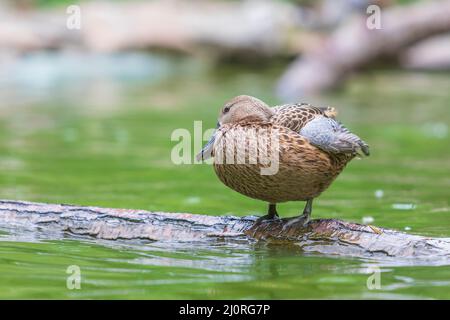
{"x": 296, "y": 116}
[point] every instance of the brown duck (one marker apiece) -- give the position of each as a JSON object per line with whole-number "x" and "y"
{"x": 309, "y": 147}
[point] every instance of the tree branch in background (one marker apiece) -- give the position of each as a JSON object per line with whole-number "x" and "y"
{"x": 354, "y": 46}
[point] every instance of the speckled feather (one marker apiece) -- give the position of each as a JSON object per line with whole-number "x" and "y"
{"x": 296, "y": 116}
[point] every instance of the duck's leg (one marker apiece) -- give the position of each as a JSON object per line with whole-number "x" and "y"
{"x": 271, "y": 213}
{"x": 305, "y": 217}
{"x": 307, "y": 211}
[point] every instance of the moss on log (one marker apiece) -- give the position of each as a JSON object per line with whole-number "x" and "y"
{"x": 326, "y": 236}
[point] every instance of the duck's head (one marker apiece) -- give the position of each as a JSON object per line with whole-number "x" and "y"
{"x": 244, "y": 109}
{"x": 239, "y": 109}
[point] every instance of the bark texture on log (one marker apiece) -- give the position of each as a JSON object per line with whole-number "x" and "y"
{"x": 327, "y": 236}
{"x": 354, "y": 46}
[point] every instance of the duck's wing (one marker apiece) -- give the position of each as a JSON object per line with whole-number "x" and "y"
{"x": 319, "y": 126}
{"x": 331, "y": 136}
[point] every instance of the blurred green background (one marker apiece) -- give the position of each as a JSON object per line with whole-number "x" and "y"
{"x": 91, "y": 127}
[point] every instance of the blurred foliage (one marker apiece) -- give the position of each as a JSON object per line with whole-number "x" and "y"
{"x": 67, "y": 2}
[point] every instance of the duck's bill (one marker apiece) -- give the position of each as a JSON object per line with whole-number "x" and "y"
{"x": 207, "y": 150}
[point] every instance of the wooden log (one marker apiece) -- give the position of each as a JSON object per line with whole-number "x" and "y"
{"x": 326, "y": 236}
{"x": 354, "y": 46}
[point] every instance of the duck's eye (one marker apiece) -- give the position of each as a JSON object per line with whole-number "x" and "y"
{"x": 226, "y": 109}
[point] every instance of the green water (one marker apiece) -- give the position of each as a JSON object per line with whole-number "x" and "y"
{"x": 107, "y": 143}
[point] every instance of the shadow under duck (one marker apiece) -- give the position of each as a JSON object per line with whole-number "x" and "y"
{"x": 311, "y": 149}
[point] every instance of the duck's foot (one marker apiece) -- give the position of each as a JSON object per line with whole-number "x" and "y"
{"x": 302, "y": 220}
{"x": 272, "y": 214}
{"x": 305, "y": 217}
{"x": 266, "y": 217}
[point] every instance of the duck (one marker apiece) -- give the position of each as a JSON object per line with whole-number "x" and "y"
{"x": 305, "y": 145}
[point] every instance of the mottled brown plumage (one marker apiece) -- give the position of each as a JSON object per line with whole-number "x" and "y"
{"x": 296, "y": 116}
{"x": 309, "y": 148}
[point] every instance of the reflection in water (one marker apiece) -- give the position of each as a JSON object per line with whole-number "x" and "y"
{"x": 278, "y": 270}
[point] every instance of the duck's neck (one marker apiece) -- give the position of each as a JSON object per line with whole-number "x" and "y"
{"x": 255, "y": 118}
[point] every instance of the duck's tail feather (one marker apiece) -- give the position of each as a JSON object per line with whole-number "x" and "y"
{"x": 347, "y": 142}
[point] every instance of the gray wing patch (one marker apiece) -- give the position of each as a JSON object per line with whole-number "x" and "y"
{"x": 331, "y": 136}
